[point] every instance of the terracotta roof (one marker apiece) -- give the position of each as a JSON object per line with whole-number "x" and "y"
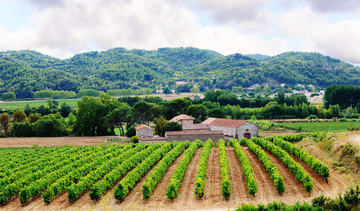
{"x": 195, "y": 127}
{"x": 194, "y": 132}
{"x": 224, "y": 122}
{"x": 208, "y": 121}
{"x": 138, "y": 127}
{"x": 180, "y": 117}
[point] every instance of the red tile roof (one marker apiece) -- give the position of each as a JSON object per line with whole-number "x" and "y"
{"x": 194, "y": 132}
{"x": 138, "y": 127}
{"x": 180, "y": 117}
{"x": 224, "y": 122}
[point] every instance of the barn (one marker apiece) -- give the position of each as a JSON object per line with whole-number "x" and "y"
{"x": 233, "y": 128}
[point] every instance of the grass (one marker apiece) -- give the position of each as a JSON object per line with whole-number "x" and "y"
{"x": 117, "y": 130}
{"x": 320, "y": 126}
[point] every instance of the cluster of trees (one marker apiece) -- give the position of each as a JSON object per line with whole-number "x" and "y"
{"x": 343, "y": 95}
{"x": 101, "y": 115}
{"x": 26, "y": 72}
{"x": 54, "y": 94}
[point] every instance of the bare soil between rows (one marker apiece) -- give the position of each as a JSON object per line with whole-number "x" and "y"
{"x": 213, "y": 199}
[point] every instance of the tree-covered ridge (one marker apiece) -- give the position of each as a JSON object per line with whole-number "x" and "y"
{"x": 310, "y": 68}
{"x": 25, "y": 72}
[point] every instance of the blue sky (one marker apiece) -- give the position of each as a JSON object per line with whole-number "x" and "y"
{"x": 62, "y": 28}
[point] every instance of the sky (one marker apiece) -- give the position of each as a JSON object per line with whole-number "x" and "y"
{"x": 63, "y": 28}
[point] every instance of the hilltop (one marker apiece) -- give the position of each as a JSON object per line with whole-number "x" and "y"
{"x": 26, "y": 71}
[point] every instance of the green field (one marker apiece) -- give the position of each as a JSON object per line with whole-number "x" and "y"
{"x": 320, "y": 126}
{"x": 14, "y": 105}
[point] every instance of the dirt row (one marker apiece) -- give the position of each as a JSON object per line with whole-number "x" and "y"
{"x": 213, "y": 199}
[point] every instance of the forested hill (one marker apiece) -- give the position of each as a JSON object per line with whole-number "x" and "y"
{"x": 25, "y": 72}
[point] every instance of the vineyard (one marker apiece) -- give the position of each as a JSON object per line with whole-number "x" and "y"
{"x": 171, "y": 175}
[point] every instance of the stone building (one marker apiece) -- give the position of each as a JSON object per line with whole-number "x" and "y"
{"x": 183, "y": 119}
{"x": 192, "y": 135}
{"x": 232, "y": 128}
{"x": 195, "y": 127}
{"x": 144, "y": 131}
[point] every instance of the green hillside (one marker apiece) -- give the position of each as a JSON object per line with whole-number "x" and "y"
{"x": 26, "y": 71}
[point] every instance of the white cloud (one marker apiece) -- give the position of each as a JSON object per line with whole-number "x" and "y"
{"x": 336, "y": 39}
{"x": 62, "y": 28}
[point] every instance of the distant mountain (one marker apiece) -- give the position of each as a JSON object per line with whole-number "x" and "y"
{"x": 258, "y": 56}
{"x": 26, "y": 71}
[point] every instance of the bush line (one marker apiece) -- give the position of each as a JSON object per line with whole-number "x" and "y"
{"x": 76, "y": 190}
{"x": 299, "y": 172}
{"x": 248, "y": 171}
{"x": 269, "y": 166}
{"x": 320, "y": 168}
{"x": 176, "y": 178}
{"x": 157, "y": 174}
{"x": 201, "y": 174}
{"x": 127, "y": 183}
{"x": 224, "y": 168}
{"x": 109, "y": 180}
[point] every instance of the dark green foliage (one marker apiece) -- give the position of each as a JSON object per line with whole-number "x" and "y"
{"x": 171, "y": 126}
{"x": 50, "y": 125}
{"x": 20, "y": 129}
{"x": 26, "y": 72}
{"x": 343, "y": 95}
{"x": 130, "y": 132}
{"x": 9, "y": 96}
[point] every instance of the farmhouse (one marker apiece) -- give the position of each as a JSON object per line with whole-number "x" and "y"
{"x": 183, "y": 119}
{"x": 144, "y": 131}
{"x": 234, "y": 128}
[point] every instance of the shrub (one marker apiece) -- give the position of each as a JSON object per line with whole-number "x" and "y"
{"x": 131, "y": 131}
{"x": 134, "y": 139}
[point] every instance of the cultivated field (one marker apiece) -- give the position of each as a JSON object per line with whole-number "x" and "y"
{"x": 320, "y": 126}
{"x": 186, "y": 200}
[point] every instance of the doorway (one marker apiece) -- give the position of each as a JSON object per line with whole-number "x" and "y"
{"x": 247, "y": 135}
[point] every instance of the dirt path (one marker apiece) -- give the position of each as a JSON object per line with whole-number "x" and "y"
{"x": 237, "y": 177}
{"x": 265, "y": 186}
{"x": 56, "y": 141}
{"x": 335, "y": 184}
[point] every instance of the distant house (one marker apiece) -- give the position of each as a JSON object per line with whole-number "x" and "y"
{"x": 233, "y": 128}
{"x": 183, "y": 119}
{"x": 144, "y": 131}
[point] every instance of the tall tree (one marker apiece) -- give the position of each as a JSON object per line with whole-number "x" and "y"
{"x": 5, "y": 121}
{"x": 118, "y": 116}
{"x": 91, "y": 115}
{"x": 19, "y": 116}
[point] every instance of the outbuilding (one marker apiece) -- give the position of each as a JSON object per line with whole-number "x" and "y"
{"x": 144, "y": 131}
{"x": 183, "y": 119}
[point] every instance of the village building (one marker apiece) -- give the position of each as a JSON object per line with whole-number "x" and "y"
{"x": 183, "y": 119}
{"x": 232, "y": 128}
{"x": 144, "y": 131}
